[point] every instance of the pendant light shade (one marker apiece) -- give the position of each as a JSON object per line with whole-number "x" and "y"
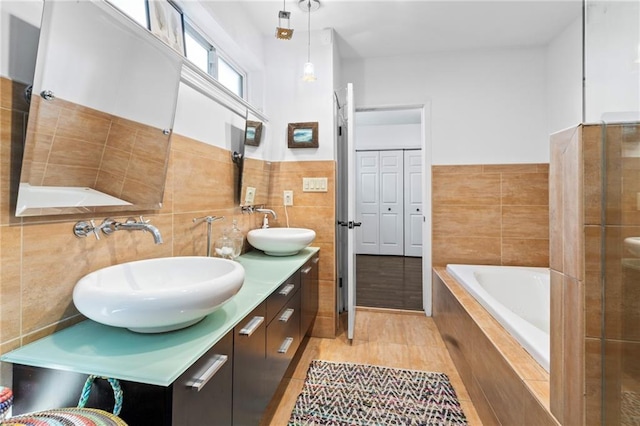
{"x": 309, "y": 6}
{"x": 309, "y": 72}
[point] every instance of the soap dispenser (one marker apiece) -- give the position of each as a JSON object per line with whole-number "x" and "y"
{"x": 224, "y": 245}
{"x": 237, "y": 238}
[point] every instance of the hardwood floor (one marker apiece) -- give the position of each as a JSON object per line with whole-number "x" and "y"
{"x": 393, "y": 282}
{"x": 392, "y": 339}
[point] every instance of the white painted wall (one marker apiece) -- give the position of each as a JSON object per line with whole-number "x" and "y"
{"x": 564, "y": 78}
{"x": 19, "y": 32}
{"x": 388, "y": 136}
{"x": 291, "y": 100}
{"x": 487, "y": 106}
{"x": 612, "y": 58}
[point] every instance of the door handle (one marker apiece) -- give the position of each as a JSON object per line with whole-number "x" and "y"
{"x": 343, "y": 223}
{"x": 354, "y": 224}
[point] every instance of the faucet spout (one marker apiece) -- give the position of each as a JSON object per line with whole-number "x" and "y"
{"x": 109, "y": 226}
{"x": 271, "y": 212}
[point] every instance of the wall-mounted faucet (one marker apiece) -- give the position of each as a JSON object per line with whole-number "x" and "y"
{"x": 209, "y": 220}
{"x": 271, "y": 212}
{"x": 109, "y": 226}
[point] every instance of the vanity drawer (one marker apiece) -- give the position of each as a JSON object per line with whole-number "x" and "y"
{"x": 283, "y": 339}
{"x": 281, "y": 296}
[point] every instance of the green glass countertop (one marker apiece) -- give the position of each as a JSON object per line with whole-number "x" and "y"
{"x": 157, "y": 359}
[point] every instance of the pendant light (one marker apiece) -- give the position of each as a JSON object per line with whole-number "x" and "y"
{"x": 309, "y": 6}
{"x": 283, "y": 33}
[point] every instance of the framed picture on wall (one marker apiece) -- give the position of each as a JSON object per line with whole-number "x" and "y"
{"x": 253, "y": 133}
{"x": 303, "y": 135}
{"x": 165, "y": 22}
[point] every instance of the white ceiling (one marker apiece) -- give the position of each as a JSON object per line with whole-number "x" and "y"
{"x": 401, "y": 27}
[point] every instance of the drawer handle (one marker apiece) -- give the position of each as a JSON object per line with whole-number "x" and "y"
{"x": 316, "y": 259}
{"x": 200, "y": 382}
{"x": 251, "y": 326}
{"x": 286, "y": 315}
{"x": 306, "y": 270}
{"x": 285, "y": 345}
{"x": 287, "y": 289}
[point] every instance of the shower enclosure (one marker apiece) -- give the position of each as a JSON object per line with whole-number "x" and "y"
{"x": 612, "y": 98}
{"x": 621, "y": 278}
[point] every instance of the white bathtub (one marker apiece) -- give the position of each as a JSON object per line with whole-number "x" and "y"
{"x": 517, "y": 297}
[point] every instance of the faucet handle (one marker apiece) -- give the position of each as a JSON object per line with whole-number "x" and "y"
{"x": 142, "y": 220}
{"x": 95, "y": 229}
{"x": 82, "y": 229}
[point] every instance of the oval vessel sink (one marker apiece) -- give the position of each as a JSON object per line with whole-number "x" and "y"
{"x": 281, "y": 241}
{"x": 158, "y": 295}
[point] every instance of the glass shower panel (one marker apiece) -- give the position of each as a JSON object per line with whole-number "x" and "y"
{"x": 621, "y": 265}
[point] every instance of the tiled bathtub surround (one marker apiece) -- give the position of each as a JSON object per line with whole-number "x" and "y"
{"x": 491, "y": 214}
{"x": 506, "y": 384}
{"x": 41, "y": 260}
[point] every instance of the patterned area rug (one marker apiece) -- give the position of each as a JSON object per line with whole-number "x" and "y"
{"x": 340, "y": 394}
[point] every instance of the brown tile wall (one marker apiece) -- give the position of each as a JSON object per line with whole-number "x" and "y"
{"x": 506, "y": 384}
{"x": 41, "y": 259}
{"x": 491, "y": 214}
{"x": 314, "y": 210}
{"x": 80, "y": 146}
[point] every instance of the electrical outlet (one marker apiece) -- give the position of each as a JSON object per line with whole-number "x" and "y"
{"x": 250, "y": 195}
{"x": 288, "y": 198}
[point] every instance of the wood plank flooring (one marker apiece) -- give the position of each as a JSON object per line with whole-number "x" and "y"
{"x": 393, "y": 339}
{"x": 393, "y": 282}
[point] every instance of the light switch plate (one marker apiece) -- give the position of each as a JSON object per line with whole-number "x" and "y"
{"x": 317, "y": 184}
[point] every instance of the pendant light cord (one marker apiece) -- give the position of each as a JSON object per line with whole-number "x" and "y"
{"x": 309, "y": 31}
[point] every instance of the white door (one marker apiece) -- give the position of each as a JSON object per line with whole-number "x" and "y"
{"x": 413, "y": 203}
{"x": 367, "y": 202}
{"x": 351, "y": 209}
{"x": 391, "y": 203}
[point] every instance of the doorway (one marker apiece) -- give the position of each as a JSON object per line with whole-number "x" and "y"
{"x": 388, "y": 143}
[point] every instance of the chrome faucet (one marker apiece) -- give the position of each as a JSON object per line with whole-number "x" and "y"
{"x": 271, "y": 212}
{"x": 209, "y": 220}
{"x": 110, "y": 226}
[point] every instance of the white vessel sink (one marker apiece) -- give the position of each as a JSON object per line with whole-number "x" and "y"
{"x": 158, "y": 295}
{"x": 281, "y": 241}
{"x": 633, "y": 245}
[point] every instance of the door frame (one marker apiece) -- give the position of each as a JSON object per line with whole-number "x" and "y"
{"x": 427, "y": 298}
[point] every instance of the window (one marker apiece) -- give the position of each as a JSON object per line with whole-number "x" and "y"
{"x": 135, "y": 9}
{"x": 204, "y": 55}
{"x": 230, "y": 78}
{"x": 199, "y": 51}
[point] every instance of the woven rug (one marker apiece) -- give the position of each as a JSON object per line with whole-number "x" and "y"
{"x": 340, "y": 394}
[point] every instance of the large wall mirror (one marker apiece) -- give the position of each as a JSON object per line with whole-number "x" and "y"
{"x": 102, "y": 109}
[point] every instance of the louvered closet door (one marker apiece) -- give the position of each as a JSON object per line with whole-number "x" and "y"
{"x": 367, "y": 202}
{"x": 391, "y": 203}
